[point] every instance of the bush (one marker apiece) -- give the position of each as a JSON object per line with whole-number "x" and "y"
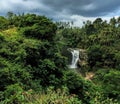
{"x": 13, "y": 73}
{"x": 80, "y": 87}
{"x": 109, "y": 81}
{"x": 13, "y": 94}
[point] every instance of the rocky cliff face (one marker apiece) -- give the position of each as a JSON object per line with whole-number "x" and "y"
{"x": 82, "y": 57}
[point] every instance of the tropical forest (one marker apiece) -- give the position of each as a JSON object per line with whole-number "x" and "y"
{"x": 48, "y": 62}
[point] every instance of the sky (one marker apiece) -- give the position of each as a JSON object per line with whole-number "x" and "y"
{"x": 77, "y": 11}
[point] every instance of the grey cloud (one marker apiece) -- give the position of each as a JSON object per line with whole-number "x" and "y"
{"x": 61, "y": 9}
{"x": 84, "y": 7}
{"x": 74, "y": 7}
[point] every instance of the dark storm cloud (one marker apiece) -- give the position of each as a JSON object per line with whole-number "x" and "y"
{"x": 84, "y": 7}
{"x": 65, "y": 10}
{"x": 88, "y": 8}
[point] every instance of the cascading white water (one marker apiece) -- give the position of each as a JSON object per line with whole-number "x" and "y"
{"x": 75, "y": 58}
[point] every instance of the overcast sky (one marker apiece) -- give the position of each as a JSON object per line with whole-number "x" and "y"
{"x": 64, "y": 10}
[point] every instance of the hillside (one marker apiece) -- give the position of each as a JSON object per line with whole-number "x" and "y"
{"x": 34, "y": 61}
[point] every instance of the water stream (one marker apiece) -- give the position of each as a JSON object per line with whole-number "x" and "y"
{"x": 75, "y": 58}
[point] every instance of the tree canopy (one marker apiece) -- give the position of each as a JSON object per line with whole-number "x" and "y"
{"x": 33, "y": 60}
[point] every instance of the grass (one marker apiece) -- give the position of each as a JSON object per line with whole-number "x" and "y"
{"x": 52, "y": 97}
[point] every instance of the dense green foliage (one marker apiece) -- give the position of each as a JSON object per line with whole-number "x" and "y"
{"x": 33, "y": 59}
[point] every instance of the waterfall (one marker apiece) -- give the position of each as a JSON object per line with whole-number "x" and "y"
{"x": 75, "y": 58}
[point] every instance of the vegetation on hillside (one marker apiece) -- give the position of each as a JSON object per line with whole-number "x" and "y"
{"x": 33, "y": 61}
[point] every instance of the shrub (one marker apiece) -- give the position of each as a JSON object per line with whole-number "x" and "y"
{"x": 13, "y": 94}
